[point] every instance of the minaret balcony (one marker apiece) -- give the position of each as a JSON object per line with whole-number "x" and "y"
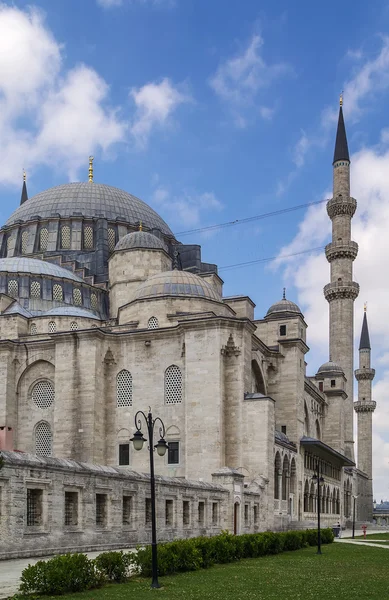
{"x": 341, "y": 289}
{"x": 364, "y": 374}
{"x": 362, "y": 406}
{"x": 341, "y": 249}
{"x": 341, "y": 205}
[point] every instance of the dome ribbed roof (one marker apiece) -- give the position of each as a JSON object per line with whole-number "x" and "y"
{"x": 176, "y": 283}
{"x": 282, "y": 306}
{"x": 90, "y": 200}
{"x": 330, "y": 367}
{"x": 70, "y": 311}
{"x": 34, "y": 266}
{"x": 140, "y": 239}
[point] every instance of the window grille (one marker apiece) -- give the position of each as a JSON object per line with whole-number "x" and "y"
{"x": 127, "y": 509}
{"x": 52, "y": 327}
{"x": 43, "y": 394}
{"x": 24, "y": 242}
{"x": 57, "y": 292}
{"x": 35, "y": 289}
{"x": 43, "y": 238}
{"x": 201, "y": 511}
{"x": 173, "y": 385}
{"x": 186, "y": 512}
{"x": 77, "y": 297}
{"x": 93, "y": 301}
{"x": 215, "y": 511}
{"x": 73, "y": 326}
{"x": 9, "y": 240}
{"x": 43, "y": 439}
{"x": 13, "y": 288}
{"x": 169, "y": 512}
{"x": 65, "y": 237}
{"x": 124, "y": 388}
{"x": 282, "y": 329}
{"x": 153, "y": 323}
{"x": 173, "y": 453}
{"x": 101, "y": 510}
{"x": 88, "y": 238}
{"x": 246, "y": 514}
{"x": 124, "y": 455}
{"x": 111, "y": 239}
{"x": 71, "y": 508}
{"x": 256, "y": 510}
{"x": 148, "y": 511}
{"x": 33, "y": 329}
{"x": 34, "y": 507}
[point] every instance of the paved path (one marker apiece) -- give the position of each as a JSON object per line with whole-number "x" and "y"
{"x": 360, "y": 543}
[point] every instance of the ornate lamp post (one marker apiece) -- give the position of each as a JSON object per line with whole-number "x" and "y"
{"x": 319, "y": 479}
{"x": 138, "y": 440}
{"x": 354, "y": 498}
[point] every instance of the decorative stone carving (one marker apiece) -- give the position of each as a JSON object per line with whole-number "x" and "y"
{"x": 341, "y": 289}
{"x": 341, "y": 206}
{"x": 230, "y": 348}
{"x": 341, "y": 250}
{"x": 109, "y": 358}
{"x": 361, "y": 406}
{"x": 367, "y": 374}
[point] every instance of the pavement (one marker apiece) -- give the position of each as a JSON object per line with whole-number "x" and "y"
{"x": 11, "y": 570}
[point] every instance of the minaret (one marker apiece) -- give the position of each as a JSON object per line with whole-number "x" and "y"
{"x": 365, "y": 406}
{"x": 24, "y": 196}
{"x": 342, "y": 291}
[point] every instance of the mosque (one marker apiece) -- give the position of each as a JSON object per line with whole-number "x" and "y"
{"x": 104, "y": 313}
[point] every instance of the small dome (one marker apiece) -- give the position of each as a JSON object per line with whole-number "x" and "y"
{"x": 140, "y": 239}
{"x": 70, "y": 311}
{"x": 283, "y": 306}
{"x": 330, "y": 367}
{"x": 176, "y": 283}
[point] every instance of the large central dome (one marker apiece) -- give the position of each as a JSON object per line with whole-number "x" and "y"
{"x": 89, "y": 200}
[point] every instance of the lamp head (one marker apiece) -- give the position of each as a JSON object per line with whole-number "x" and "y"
{"x": 161, "y": 447}
{"x": 138, "y": 440}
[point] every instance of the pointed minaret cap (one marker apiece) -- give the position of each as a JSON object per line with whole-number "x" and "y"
{"x": 24, "y": 196}
{"x": 364, "y": 344}
{"x": 341, "y": 146}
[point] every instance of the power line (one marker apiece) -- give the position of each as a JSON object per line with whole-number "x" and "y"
{"x": 250, "y": 219}
{"x": 268, "y": 259}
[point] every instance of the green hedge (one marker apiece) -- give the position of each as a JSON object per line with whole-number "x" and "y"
{"x": 76, "y": 572}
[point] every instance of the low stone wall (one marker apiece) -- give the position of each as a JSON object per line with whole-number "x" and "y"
{"x": 51, "y": 505}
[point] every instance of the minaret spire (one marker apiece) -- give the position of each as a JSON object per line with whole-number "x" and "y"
{"x": 364, "y": 343}
{"x": 24, "y": 196}
{"x": 341, "y": 146}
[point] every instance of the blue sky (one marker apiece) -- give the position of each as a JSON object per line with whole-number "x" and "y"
{"x": 213, "y": 111}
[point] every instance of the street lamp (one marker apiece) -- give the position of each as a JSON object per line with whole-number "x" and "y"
{"x": 161, "y": 446}
{"x": 319, "y": 479}
{"x": 354, "y": 498}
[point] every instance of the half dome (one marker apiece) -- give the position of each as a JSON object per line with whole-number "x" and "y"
{"x": 176, "y": 283}
{"x": 34, "y": 266}
{"x": 140, "y": 239}
{"x": 89, "y": 200}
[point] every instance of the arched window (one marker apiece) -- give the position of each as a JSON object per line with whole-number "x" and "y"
{"x": 124, "y": 388}
{"x": 277, "y": 471}
{"x": 35, "y": 289}
{"x": 24, "y": 242}
{"x": 65, "y": 237}
{"x": 257, "y": 383}
{"x": 43, "y": 439}
{"x": 73, "y": 326}
{"x": 285, "y": 478}
{"x": 57, "y": 292}
{"x": 88, "y": 237}
{"x": 111, "y": 239}
{"x": 306, "y": 496}
{"x": 43, "y": 238}
{"x": 173, "y": 385}
{"x": 306, "y": 421}
{"x": 93, "y": 301}
{"x": 33, "y": 329}
{"x": 153, "y": 323}
{"x": 43, "y": 394}
{"x": 13, "y": 288}
{"x": 9, "y": 240}
{"x": 318, "y": 435}
{"x": 52, "y": 328}
{"x": 77, "y": 297}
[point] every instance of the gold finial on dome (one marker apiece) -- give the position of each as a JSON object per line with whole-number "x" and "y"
{"x": 140, "y": 226}
{"x": 91, "y": 159}
{"x": 284, "y": 294}
{"x": 24, "y": 175}
{"x": 341, "y": 99}
{"x": 365, "y": 307}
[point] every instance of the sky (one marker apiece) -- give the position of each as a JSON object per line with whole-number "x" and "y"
{"x": 212, "y": 112}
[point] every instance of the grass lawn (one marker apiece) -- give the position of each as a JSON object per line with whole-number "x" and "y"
{"x": 374, "y": 536}
{"x": 343, "y": 571}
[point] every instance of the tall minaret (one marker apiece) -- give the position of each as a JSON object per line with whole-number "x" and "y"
{"x": 342, "y": 291}
{"x": 365, "y": 406}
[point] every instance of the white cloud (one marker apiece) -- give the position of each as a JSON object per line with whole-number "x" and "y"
{"x": 109, "y": 3}
{"x": 239, "y": 79}
{"x": 300, "y": 149}
{"x": 155, "y": 104}
{"x": 186, "y": 208}
{"x": 116, "y": 3}
{"x": 47, "y": 116}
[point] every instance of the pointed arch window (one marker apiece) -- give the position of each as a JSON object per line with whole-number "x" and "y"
{"x": 153, "y": 323}
{"x": 52, "y": 327}
{"x": 88, "y": 237}
{"x": 33, "y": 329}
{"x": 35, "y": 289}
{"x": 9, "y": 244}
{"x": 173, "y": 385}
{"x": 13, "y": 288}
{"x": 93, "y": 301}
{"x": 124, "y": 388}
{"x": 77, "y": 297}
{"x": 111, "y": 239}
{"x": 73, "y": 326}
{"x": 43, "y": 439}
{"x": 43, "y": 238}
{"x": 24, "y": 242}
{"x": 43, "y": 394}
{"x": 65, "y": 237}
{"x": 57, "y": 292}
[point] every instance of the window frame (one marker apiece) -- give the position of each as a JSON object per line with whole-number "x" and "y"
{"x": 177, "y": 450}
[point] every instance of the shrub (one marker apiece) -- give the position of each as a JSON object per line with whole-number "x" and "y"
{"x": 114, "y": 566}
{"x": 61, "y": 575}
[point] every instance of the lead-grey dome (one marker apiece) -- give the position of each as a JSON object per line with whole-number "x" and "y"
{"x": 140, "y": 239}
{"x": 283, "y": 306}
{"x": 330, "y": 367}
{"x": 34, "y": 266}
{"x": 176, "y": 283}
{"x": 89, "y": 200}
